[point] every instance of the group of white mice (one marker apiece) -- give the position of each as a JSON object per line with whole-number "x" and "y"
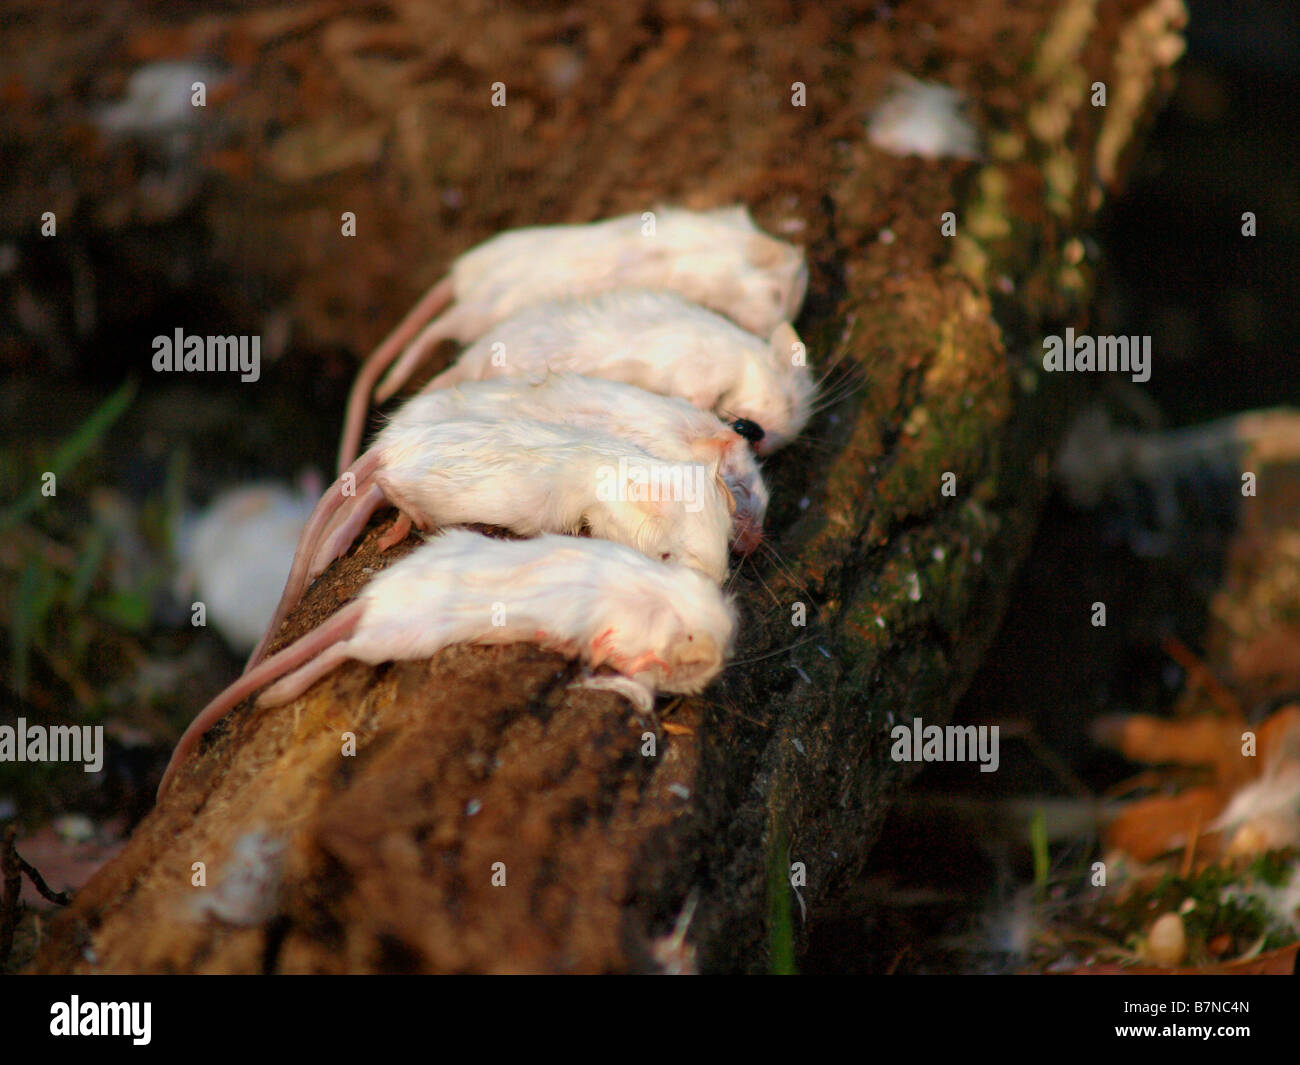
{"x": 599, "y": 357}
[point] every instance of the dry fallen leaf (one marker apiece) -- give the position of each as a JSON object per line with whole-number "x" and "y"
{"x": 1150, "y": 827}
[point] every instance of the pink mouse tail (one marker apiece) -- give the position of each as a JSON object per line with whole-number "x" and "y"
{"x": 337, "y": 628}
{"x": 354, "y": 421}
{"x": 300, "y": 573}
{"x": 288, "y": 688}
{"x": 345, "y": 535}
{"x": 441, "y": 328}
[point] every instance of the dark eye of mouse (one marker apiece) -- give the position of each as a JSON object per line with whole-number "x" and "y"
{"x": 666, "y": 555}
{"x": 751, "y": 431}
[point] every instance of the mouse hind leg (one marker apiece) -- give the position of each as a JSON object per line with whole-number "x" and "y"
{"x": 345, "y": 534}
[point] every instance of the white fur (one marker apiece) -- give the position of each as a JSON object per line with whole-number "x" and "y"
{"x": 659, "y": 342}
{"x": 536, "y": 477}
{"x": 520, "y": 474}
{"x": 717, "y": 258}
{"x": 570, "y": 589}
{"x": 666, "y": 427}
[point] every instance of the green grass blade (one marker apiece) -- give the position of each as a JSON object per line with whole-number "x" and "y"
{"x": 72, "y": 451}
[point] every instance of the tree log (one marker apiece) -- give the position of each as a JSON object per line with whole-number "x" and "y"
{"x": 492, "y": 818}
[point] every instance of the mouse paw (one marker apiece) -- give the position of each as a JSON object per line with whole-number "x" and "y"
{"x": 600, "y": 649}
{"x": 633, "y": 691}
{"x": 399, "y": 532}
{"x": 642, "y": 662}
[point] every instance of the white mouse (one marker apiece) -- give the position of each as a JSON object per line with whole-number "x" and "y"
{"x": 527, "y": 476}
{"x": 666, "y": 427}
{"x": 662, "y": 343}
{"x": 663, "y": 627}
{"x": 716, "y": 258}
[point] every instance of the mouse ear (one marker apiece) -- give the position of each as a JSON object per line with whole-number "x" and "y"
{"x": 764, "y": 252}
{"x": 784, "y": 346}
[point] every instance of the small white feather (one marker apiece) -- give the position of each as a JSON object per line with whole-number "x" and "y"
{"x": 922, "y": 118}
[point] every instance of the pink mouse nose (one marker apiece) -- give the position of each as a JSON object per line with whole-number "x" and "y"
{"x": 748, "y": 535}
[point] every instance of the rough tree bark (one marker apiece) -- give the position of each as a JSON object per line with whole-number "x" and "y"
{"x": 385, "y": 860}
